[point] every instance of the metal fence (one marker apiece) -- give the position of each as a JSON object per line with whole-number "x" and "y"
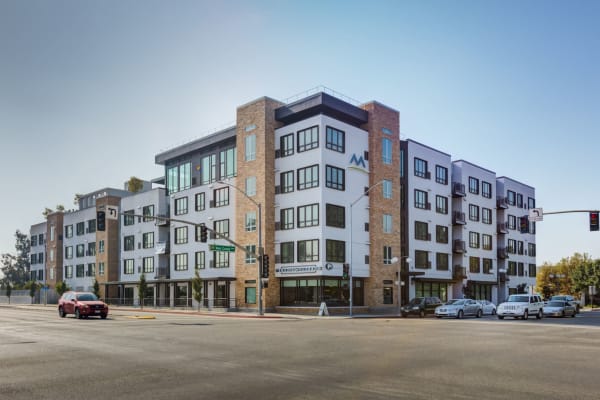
{"x": 178, "y": 302}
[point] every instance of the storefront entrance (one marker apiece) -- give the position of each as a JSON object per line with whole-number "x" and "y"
{"x": 311, "y": 292}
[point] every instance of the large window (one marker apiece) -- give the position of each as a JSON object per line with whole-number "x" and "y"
{"x": 441, "y": 204}
{"x": 474, "y": 265}
{"x": 421, "y": 200}
{"x": 420, "y": 168}
{"x": 286, "y": 145}
{"x": 473, "y": 212}
{"x": 335, "y": 139}
{"x": 308, "y": 250}
{"x": 148, "y": 240}
{"x": 386, "y": 151}
{"x": 181, "y": 235}
{"x": 286, "y": 182}
{"x": 441, "y": 174}
{"x": 335, "y": 178}
{"x": 287, "y": 252}
{"x": 250, "y": 148}
{"x": 422, "y": 259}
{"x": 179, "y": 177}
{"x": 128, "y": 267}
{"x": 208, "y": 169}
{"x": 441, "y": 261}
{"x": 181, "y": 206}
{"x": 181, "y": 262}
{"x": 441, "y": 234}
{"x": 308, "y": 139}
{"x": 286, "y": 220}
{"x": 148, "y": 264}
{"x": 474, "y": 240}
{"x": 221, "y": 259}
{"x": 486, "y": 189}
{"x": 228, "y": 163}
{"x": 80, "y": 271}
{"x": 335, "y": 216}
{"x": 335, "y": 251}
{"x": 421, "y": 230}
{"x": 128, "y": 243}
{"x": 221, "y": 197}
{"x": 308, "y": 215}
{"x": 200, "y": 201}
{"x": 308, "y": 177}
{"x": 473, "y": 185}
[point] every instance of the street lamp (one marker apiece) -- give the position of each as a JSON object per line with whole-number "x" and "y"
{"x": 399, "y": 281}
{"x": 366, "y": 192}
{"x": 260, "y": 249}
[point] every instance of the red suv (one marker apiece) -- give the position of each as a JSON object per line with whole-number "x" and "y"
{"x": 82, "y": 304}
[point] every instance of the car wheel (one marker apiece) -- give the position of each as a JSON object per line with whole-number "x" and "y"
{"x": 61, "y": 312}
{"x": 422, "y": 314}
{"x": 103, "y": 316}
{"x": 500, "y": 316}
{"x": 562, "y": 314}
{"x": 438, "y": 316}
{"x": 77, "y": 314}
{"x": 479, "y": 313}
{"x": 460, "y": 314}
{"x": 526, "y": 315}
{"x": 573, "y": 315}
{"x": 539, "y": 315}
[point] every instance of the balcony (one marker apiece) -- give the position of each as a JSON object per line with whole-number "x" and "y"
{"x": 459, "y": 246}
{"x": 459, "y": 273}
{"x": 458, "y": 218}
{"x": 502, "y": 227}
{"x": 502, "y": 202}
{"x": 162, "y": 247}
{"x": 502, "y": 253}
{"x": 163, "y": 273}
{"x": 458, "y": 189}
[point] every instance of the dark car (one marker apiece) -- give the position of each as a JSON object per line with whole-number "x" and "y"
{"x": 420, "y": 306}
{"x": 82, "y": 304}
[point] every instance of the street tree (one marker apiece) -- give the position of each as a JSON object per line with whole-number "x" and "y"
{"x": 61, "y": 287}
{"x": 8, "y": 291}
{"x": 15, "y": 267}
{"x": 197, "y": 288}
{"x": 142, "y": 287}
{"x": 32, "y": 286}
{"x": 96, "y": 288}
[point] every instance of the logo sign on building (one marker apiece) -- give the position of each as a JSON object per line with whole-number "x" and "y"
{"x": 536, "y": 214}
{"x": 112, "y": 212}
{"x": 358, "y": 163}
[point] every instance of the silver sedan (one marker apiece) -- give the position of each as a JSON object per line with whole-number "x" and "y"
{"x": 487, "y": 307}
{"x": 459, "y": 308}
{"x": 559, "y": 308}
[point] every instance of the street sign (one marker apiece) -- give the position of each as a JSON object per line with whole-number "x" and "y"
{"x": 220, "y": 247}
{"x": 112, "y": 212}
{"x": 536, "y": 214}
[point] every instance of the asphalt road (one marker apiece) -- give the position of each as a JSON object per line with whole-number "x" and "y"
{"x": 205, "y": 357}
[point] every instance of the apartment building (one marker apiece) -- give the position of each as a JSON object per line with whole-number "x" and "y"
{"x": 37, "y": 252}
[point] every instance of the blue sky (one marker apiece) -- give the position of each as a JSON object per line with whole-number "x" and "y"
{"x": 90, "y": 91}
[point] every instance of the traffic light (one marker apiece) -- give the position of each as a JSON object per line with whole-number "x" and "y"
{"x": 346, "y": 271}
{"x": 524, "y": 224}
{"x": 203, "y": 233}
{"x": 100, "y": 220}
{"x": 265, "y": 266}
{"x": 594, "y": 221}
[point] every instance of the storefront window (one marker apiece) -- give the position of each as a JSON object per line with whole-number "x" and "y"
{"x": 311, "y": 292}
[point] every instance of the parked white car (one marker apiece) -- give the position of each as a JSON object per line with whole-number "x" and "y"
{"x": 488, "y": 307}
{"x": 521, "y": 306}
{"x": 459, "y": 308}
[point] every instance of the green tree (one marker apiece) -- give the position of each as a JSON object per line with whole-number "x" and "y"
{"x": 197, "y": 288}
{"x": 60, "y": 207}
{"x": 135, "y": 184}
{"x": 96, "y": 288}
{"x": 32, "y": 286}
{"x": 15, "y": 267}
{"x": 142, "y": 287}
{"x": 8, "y": 291}
{"x": 47, "y": 211}
{"x": 61, "y": 287}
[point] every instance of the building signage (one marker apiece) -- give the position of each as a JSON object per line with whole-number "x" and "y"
{"x": 299, "y": 269}
{"x": 358, "y": 163}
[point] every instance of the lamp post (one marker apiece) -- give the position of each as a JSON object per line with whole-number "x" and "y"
{"x": 399, "y": 281}
{"x": 260, "y": 249}
{"x": 366, "y": 192}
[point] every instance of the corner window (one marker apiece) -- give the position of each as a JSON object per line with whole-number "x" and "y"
{"x": 308, "y": 139}
{"x": 335, "y": 140}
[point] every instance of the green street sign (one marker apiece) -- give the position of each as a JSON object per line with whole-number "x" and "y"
{"x": 219, "y": 247}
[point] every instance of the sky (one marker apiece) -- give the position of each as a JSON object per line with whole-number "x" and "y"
{"x": 91, "y": 91}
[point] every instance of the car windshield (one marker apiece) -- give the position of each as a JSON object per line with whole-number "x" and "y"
{"x": 556, "y": 304}
{"x": 559, "y": 297}
{"x": 416, "y": 301}
{"x": 86, "y": 297}
{"x": 456, "y": 301}
{"x": 518, "y": 299}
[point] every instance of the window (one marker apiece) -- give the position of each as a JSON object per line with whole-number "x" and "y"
{"x": 474, "y": 240}
{"x": 222, "y": 227}
{"x": 520, "y": 247}
{"x": 228, "y": 163}
{"x": 33, "y": 240}
{"x": 511, "y": 197}
{"x": 128, "y": 218}
{"x": 486, "y": 215}
{"x": 91, "y": 228}
{"x": 388, "y": 295}
{"x": 128, "y": 267}
{"x": 441, "y": 261}
{"x": 69, "y": 271}
{"x": 286, "y": 252}
{"x": 486, "y": 189}
{"x": 250, "y": 249}
{"x": 512, "y": 222}
{"x": 520, "y": 269}
{"x": 200, "y": 258}
{"x": 386, "y": 151}
{"x": 286, "y": 219}
{"x": 335, "y": 251}
{"x": 308, "y": 250}
{"x": 473, "y": 212}
{"x": 80, "y": 228}
{"x": 512, "y": 246}
{"x": 308, "y": 139}
{"x": 421, "y": 230}
{"x": 519, "y": 200}
{"x": 251, "y": 186}
{"x": 441, "y": 204}
{"x": 512, "y": 268}
{"x": 208, "y": 169}
{"x": 250, "y": 295}
{"x": 473, "y": 185}
{"x": 181, "y": 206}
{"x": 286, "y": 182}
{"x": 200, "y": 201}
{"x": 179, "y": 177}
{"x": 221, "y": 196}
{"x": 80, "y": 250}
{"x": 221, "y": 259}
{"x": 148, "y": 240}
{"x": 69, "y": 252}
{"x": 387, "y": 189}
{"x": 181, "y": 235}
{"x": 80, "y": 270}
{"x": 487, "y": 265}
{"x": 531, "y": 250}
{"x": 387, "y": 255}
{"x": 420, "y": 168}
{"x": 387, "y": 223}
{"x": 181, "y": 262}
{"x": 286, "y": 145}
{"x": 68, "y": 231}
{"x": 441, "y": 234}
{"x": 128, "y": 243}
{"x": 250, "y": 148}
{"x": 335, "y": 178}
{"x": 101, "y": 269}
{"x": 530, "y": 204}
{"x": 251, "y": 221}
{"x": 148, "y": 264}
{"x": 474, "y": 266}
{"x": 422, "y": 259}
{"x": 335, "y": 216}
{"x": 52, "y": 232}
{"x": 148, "y": 211}
{"x": 334, "y": 139}
{"x": 308, "y": 215}
{"x": 91, "y": 250}
{"x": 441, "y": 174}
{"x": 308, "y": 177}
{"x": 532, "y": 270}
{"x": 101, "y": 246}
{"x": 486, "y": 242}
{"x": 421, "y": 199}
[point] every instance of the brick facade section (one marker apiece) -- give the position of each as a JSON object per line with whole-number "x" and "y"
{"x": 112, "y": 249}
{"x": 56, "y": 246}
